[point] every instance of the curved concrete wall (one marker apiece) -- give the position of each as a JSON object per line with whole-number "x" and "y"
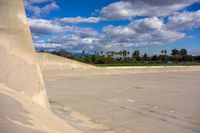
{"x": 18, "y": 67}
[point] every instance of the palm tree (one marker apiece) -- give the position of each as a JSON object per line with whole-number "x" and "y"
{"x": 162, "y": 51}
{"x": 183, "y": 52}
{"x": 165, "y": 52}
{"x": 124, "y": 53}
{"x": 175, "y": 52}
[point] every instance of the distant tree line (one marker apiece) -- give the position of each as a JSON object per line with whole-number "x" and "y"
{"x": 124, "y": 56}
{"x": 61, "y": 52}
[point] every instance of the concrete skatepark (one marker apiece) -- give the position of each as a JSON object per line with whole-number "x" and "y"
{"x": 76, "y": 97}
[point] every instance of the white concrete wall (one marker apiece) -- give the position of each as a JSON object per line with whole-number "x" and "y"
{"x": 18, "y": 67}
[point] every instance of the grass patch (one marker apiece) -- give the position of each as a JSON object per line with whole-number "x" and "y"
{"x": 146, "y": 64}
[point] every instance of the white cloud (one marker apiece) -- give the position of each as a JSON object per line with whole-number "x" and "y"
{"x": 64, "y": 40}
{"x": 153, "y": 30}
{"x": 29, "y": 2}
{"x": 184, "y": 20}
{"x": 119, "y": 30}
{"x": 142, "y": 32}
{"x": 130, "y": 8}
{"x": 75, "y": 20}
{"x": 139, "y": 33}
{"x": 49, "y": 7}
{"x": 70, "y": 42}
{"x": 119, "y": 34}
{"x": 84, "y": 32}
{"x": 32, "y": 6}
{"x": 147, "y": 25}
{"x": 164, "y": 2}
{"x": 42, "y": 26}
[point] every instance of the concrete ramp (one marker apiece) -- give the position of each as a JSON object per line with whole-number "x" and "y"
{"x": 18, "y": 66}
{"x": 54, "y": 62}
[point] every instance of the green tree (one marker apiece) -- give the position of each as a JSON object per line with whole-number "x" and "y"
{"x": 162, "y": 51}
{"x": 154, "y": 58}
{"x": 165, "y": 52}
{"x": 183, "y": 52}
{"x": 145, "y": 57}
{"x": 124, "y": 53}
{"x": 95, "y": 58}
{"x": 175, "y": 52}
{"x": 113, "y": 53}
{"x": 64, "y": 53}
{"x": 163, "y": 57}
{"x": 88, "y": 59}
{"x": 136, "y": 55}
{"x": 83, "y": 52}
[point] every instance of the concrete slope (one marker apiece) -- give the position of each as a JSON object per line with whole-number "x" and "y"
{"x": 18, "y": 114}
{"x": 54, "y": 62}
{"x": 56, "y": 65}
{"x": 23, "y": 100}
{"x": 18, "y": 67}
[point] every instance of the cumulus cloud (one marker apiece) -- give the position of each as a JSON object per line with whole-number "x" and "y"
{"x": 42, "y": 26}
{"x": 139, "y": 33}
{"x": 142, "y": 32}
{"x": 33, "y": 7}
{"x": 27, "y": 2}
{"x": 148, "y": 25}
{"x": 71, "y": 42}
{"x": 131, "y": 8}
{"x": 153, "y": 29}
{"x": 148, "y": 31}
{"x": 164, "y": 2}
{"x": 119, "y": 34}
{"x": 62, "y": 35}
{"x": 75, "y": 20}
{"x": 69, "y": 39}
{"x": 84, "y": 32}
{"x": 184, "y": 20}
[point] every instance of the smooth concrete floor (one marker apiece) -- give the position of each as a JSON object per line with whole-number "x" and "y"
{"x": 133, "y": 103}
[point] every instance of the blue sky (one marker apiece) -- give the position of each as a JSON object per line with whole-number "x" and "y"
{"x": 106, "y": 25}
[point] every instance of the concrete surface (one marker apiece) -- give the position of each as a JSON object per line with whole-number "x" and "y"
{"x": 18, "y": 67}
{"x": 53, "y": 64}
{"x": 131, "y": 103}
{"x": 19, "y": 114}
{"x": 123, "y": 99}
{"x": 23, "y": 100}
{"x": 85, "y": 96}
